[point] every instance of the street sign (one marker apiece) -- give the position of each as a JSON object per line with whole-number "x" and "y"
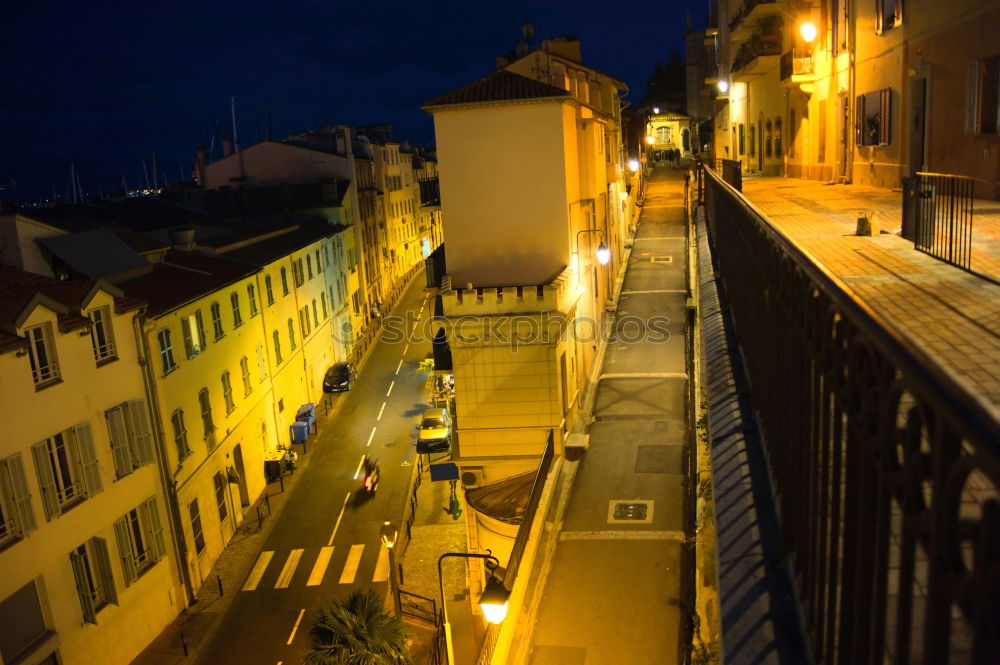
{"x": 444, "y": 471}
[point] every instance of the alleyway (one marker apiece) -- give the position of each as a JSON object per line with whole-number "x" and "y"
{"x": 615, "y": 585}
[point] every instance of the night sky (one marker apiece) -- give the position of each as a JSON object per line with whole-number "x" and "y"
{"x": 103, "y": 85}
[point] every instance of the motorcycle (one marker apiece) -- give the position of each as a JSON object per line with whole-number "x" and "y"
{"x": 370, "y": 484}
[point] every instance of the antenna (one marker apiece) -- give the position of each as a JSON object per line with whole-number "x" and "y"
{"x": 268, "y": 123}
{"x": 145, "y": 173}
{"x": 156, "y": 182}
{"x": 124, "y": 186}
{"x": 232, "y": 111}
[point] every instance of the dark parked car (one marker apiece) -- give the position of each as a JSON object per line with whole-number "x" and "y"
{"x": 338, "y": 378}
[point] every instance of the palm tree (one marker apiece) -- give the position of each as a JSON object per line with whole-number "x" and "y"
{"x": 356, "y": 631}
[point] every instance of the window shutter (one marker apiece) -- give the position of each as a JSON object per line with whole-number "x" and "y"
{"x": 104, "y": 569}
{"x": 82, "y": 587}
{"x": 885, "y": 117}
{"x": 859, "y": 120}
{"x": 188, "y": 338}
{"x": 20, "y": 495}
{"x": 124, "y": 539}
{"x": 972, "y": 80}
{"x": 139, "y": 434}
{"x": 88, "y": 460}
{"x": 200, "y": 324}
{"x": 46, "y": 481}
{"x": 119, "y": 441}
{"x": 155, "y": 528}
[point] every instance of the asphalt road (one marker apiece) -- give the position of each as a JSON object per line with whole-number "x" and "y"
{"x": 327, "y": 542}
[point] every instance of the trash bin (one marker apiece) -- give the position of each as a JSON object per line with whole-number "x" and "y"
{"x": 307, "y": 415}
{"x": 300, "y": 431}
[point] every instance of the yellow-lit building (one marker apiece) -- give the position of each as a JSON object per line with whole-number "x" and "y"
{"x": 89, "y": 572}
{"x": 527, "y": 205}
{"x": 668, "y": 131}
{"x": 863, "y": 92}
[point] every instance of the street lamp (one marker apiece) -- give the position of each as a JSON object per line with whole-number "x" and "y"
{"x": 389, "y": 536}
{"x": 633, "y": 165}
{"x": 603, "y": 253}
{"x": 808, "y": 31}
{"x": 656, "y": 109}
{"x": 493, "y": 601}
{"x": 723, "y": 86}
{"x": 650, "y": 139}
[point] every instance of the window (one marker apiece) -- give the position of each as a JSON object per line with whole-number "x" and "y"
{"x": 322, "y": 300}
{"x": 284, "y": 281}
{"x": 888, "y": 14}
{"x": 166, "y": 351}
{"x": 768, "y": 135}
{"x": 753, "y": 140}
{"x": 196, "y": 532}
{"x": 227, "y": 392}
{"x": 194, "y": 334}
{"x": 205, "y": 404}
{"x": 291, "y": 334}
{"x": 42, "y": 355}
{"x": 663, "y": 135}
{"x": 268, "y": 291}
{"x": 94, "y": 583}
{"x": 319, "y": 262}
{"x": 777, "y": 137}
{"x": 131, "y": 437}
{"x": 304, "y": 321}
{"x": 309, "y": 265}
{"x": 217, "y": 321}
{"x": 743, "y": 139}
{"x": 101, "y": 334}
{"x": 234, "y": 299}
{"x": 821, "y": 142}
{"x": 277, "y": 347}
{"x": 67, "y": 469}
{"x": 139, "y": 533}
{"x": 16, "y": 516}
{"x": 220, "y": 496}
{"x": 180, "y": 434}
{"x": 982, "y": 96}
{"x": 872, "y": 119}
{"x": 245, "y": 372}
{"x": 252, "y": 299}
{"x": 315, "y": 315}
{"x": 261, "y": 363}
{"x": 300, "y": 273}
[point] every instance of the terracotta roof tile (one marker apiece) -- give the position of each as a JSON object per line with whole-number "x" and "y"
{"x": 499, "y": 86}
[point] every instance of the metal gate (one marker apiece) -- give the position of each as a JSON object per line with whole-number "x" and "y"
{"x": 944, "y": 217}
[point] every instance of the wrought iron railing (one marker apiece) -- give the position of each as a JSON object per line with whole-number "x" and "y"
{"x": 886, "y": 468}
{"x": 944, "y": 217}
{"x": 797, "y": 62}
{"x": 45, "y": 374}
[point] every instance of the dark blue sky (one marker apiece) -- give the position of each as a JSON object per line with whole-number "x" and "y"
{"x": 103, "y": 85}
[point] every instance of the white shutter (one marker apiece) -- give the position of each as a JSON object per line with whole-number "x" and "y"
{"x": 152, "y": 516}
{"x": 972, "y": 93}
{"x": 46, "y": 481}
{"x": 83, "y": 587}
{"x": 189, "y": 350}
{"x": 103, "y": 565}
{"x": 88, "y": 460}
{"x": 139, "y": 434}
{"x": 119, "y": 441}
{"x": 20, "y": 495}
{"x": 124, "y": 538}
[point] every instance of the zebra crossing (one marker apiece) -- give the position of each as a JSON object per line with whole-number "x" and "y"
{"x": 316, "y": 565}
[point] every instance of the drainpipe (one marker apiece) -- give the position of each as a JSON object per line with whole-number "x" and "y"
{"x": 852, "y": 33}
{"x": 166, "y": 480}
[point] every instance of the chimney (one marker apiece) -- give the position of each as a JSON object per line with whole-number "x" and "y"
{"x": 227, "y": 146}
{"x": 200, "y": 161}
{"x": 182, "y": 238}
{"x": 343, "y": 139}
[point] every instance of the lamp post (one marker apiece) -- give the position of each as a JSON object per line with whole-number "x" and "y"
{"x": 493, "y": 600}
{"x": 603, "y": 253}
{"x": 389, "y": 536}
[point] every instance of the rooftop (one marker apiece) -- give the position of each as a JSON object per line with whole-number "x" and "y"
{"x": 498, "y": 86}
{"x": 184, "y": 277}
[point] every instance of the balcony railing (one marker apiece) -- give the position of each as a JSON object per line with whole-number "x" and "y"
{"x": 886, "y": 468}
{"x": 744, "y": 11}
{"x": 106, "y": 351}
{"x": 797, "y": 62}
{"x": 758, "y": 45}
{"x": 45, "y": 374}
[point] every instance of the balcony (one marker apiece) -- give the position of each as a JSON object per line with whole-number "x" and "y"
{"x": 798, "y": 67}
{"x": 751, "y": 12}
{"x": 757, "y": 55}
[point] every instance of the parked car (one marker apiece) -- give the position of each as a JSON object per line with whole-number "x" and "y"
{"x": 435, "y": 432}
{"x": 338, "y": 378}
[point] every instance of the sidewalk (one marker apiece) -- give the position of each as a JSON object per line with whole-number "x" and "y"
{"x": 615, "y": 590}
{"x": 952, "y": 315}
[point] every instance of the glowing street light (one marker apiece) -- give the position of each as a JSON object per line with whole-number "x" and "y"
{"x": 603, "y": 254}
{"x": 633, "y": 165}
{"x": 723, "y": 87}
{"x": 656, "y": 109}
{"x": 650, "y": 139}
{"x": 493, "y": 601}
{"x": 808, "y": 31}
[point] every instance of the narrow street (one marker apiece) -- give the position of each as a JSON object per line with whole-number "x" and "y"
{"x": 615, "y": 584}
{"x": 327, "y": 540}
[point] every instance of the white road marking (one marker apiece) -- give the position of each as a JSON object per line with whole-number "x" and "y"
{"x": 351, "y": 567}
{"x": 399, "y": 366}
{"x": 389, "y": 392}
{"x": 405, "y": 349}
{"x": 380, "y": 412}
{"x": 258, "y": 571}
{"x": 319, "y": 568}
{"x": 296, "y": 626}
{"x": 661, "y": 237}
{"x": 382, "y": 565}
{"x": 285, "y": 578}
{"x": 370, "y": 437}
{"x": 637, "y": 292}
{"x": 644, "y": 375}
{"x": 339, "y": 517}
{"x": 357, "y": 471}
